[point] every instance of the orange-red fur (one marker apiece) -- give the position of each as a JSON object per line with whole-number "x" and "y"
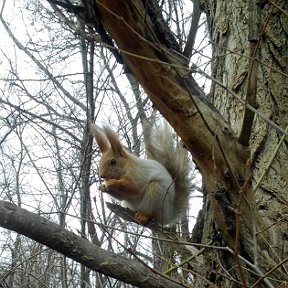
{"x": 143, "y": 185}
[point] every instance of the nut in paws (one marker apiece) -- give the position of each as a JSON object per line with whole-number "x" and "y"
{"x": 103, "y": 187}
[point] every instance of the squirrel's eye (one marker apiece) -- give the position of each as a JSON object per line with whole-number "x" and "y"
{"x": 113, "y": 161}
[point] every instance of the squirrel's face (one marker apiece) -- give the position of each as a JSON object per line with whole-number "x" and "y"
{"x": 114, "y": 156}
{"x": 112, "y": 166}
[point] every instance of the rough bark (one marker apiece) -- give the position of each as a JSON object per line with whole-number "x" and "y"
{"x": 231, "y": 38}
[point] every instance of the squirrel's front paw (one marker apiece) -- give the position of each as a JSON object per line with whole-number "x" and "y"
{"x": 103, "y": 187}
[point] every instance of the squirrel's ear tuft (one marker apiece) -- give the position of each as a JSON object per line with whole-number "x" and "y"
{"x": 100, "y": 137}
{"x": 114, "y": 141}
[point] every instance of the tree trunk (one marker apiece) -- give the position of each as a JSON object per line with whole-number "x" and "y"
{"x": 231, "y": 30}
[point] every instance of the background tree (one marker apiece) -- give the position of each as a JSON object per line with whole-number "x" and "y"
{"x": 236, "y": 133}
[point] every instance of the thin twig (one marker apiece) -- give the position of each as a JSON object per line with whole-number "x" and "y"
{"x": 175, "y": 267}
{"x": 274, "y": 154}
{"x": 269, "y": 272}
{"x": 242, "y": 193}
{"x": 241, "y": 101}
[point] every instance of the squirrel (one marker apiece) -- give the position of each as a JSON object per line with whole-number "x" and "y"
{"x": 157, "y": 188}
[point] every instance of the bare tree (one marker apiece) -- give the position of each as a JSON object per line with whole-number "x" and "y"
{"x": 236, "y": 134}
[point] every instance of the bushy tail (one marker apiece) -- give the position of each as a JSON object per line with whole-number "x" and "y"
{"x": 162, "y": 147}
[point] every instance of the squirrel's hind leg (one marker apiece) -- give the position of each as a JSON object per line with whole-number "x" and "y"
{"x": 143, "y": 217}
{"x": 157, "y": 202}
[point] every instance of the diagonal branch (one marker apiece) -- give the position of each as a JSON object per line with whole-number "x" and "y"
{"x": 97, "y": 259}
{"x": 173, "y": 91}
{"x": 252, "y": 75}
{"x": 193, "y": 29}
{"x": 68, "y": 6}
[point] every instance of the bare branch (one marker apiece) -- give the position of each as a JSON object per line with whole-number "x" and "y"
{"x": 97, "y": 259}
{"x": 193, "y": 29}
{"x": 41, "y": 66}
{"x": 252, "y": 75}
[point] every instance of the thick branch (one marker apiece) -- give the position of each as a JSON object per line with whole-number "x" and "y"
{"x": 163, "y": 75}
{"x": 56, "y": 237}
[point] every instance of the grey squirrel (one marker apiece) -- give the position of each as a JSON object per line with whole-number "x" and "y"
{"x": 157, "y": 188}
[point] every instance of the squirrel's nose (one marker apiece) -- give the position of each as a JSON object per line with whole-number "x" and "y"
{"x": 102, "y": 176}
